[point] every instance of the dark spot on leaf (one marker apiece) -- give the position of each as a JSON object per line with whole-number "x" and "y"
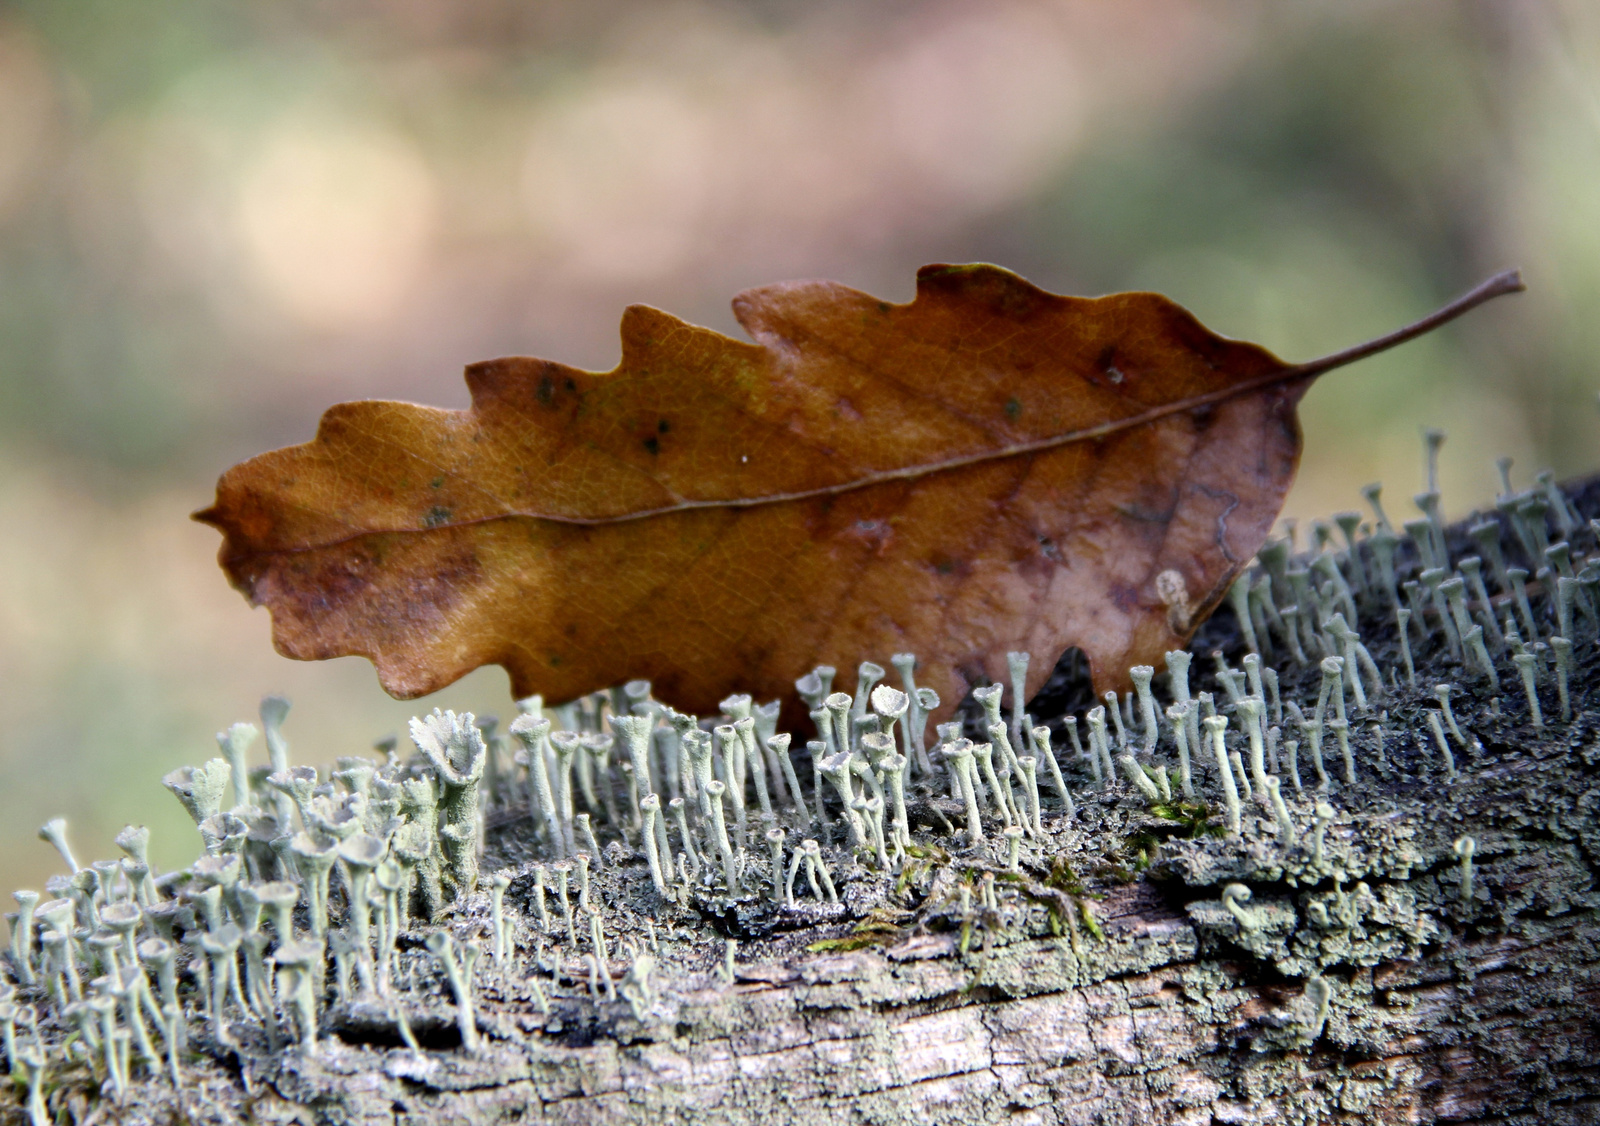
{"x": 663, "y": 426}
{"x": 1145, "y": 514}
{"x": 1124, "y": 597}
{"x": 546, "y": 391}
{"x": 653, "y": 446}
{"x": 874, "y": 535}
{"x": 555, "y": 660}
{"x": 435, "y": 516}
{"x": 1105, "y": 372}
{"x": 437, "y": 482}
{"x": 1013, "y": 408}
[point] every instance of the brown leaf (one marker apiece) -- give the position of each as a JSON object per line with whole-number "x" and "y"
{"x": 990, "y": 467}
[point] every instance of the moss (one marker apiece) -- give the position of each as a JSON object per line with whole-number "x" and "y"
{"x": 1191, "y": 819}
{"x": 879, "y": 929}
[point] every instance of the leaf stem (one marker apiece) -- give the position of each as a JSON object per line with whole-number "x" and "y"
{"x": 1508, "y": 281}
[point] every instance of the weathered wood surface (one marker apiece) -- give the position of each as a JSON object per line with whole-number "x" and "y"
{"x": 1489, "y": 1030}
{"x": 1168, "y": 1020}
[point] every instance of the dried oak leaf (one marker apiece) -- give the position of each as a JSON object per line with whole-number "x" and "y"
{"x": 987, "y": 468}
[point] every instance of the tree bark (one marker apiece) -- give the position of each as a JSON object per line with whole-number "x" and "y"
{"x": 1439, "y": 1013}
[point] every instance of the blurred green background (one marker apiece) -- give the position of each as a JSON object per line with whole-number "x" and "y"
{"x": 218, "y": 218}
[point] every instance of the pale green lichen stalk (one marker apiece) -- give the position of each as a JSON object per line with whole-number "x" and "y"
{"x": 455, "y": 748}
